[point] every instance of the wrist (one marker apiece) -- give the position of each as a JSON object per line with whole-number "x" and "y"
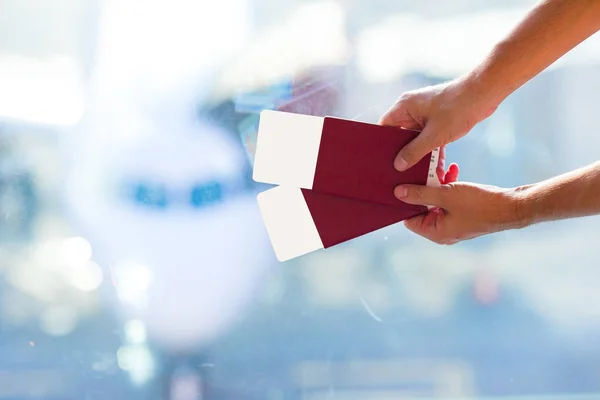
{"x": 521, "y": 205}
{"x": 478, "y": 95}
{"x": 491, "y": 82}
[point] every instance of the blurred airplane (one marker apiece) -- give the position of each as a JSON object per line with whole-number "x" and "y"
{"x": 163, "y": 195}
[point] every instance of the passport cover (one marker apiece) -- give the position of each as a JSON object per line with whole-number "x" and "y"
{"x": 337, "y": 179}
{"x": 336, "y": 156}
{"x": 300, "y": 221}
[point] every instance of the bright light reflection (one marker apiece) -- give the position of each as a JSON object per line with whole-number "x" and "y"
{"x": 444, "y": 47}
{"x": 87, "y": 277}
{"x": 40, "y": 92}
{"x": 291, "y": 48}
{"x": 173, "y": 56}
{"x": 59, "y": 320}
{"x": 138, "y": 361}
{"x": 76, "y": 250}
{"x": 132, "y": 280}
{"x": 47, "y": 252}
{"x": 135, "y": 331}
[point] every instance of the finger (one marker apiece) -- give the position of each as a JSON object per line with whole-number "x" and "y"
{"x": 440, "y": 174}
{"x": 409, "y": 124}
{"x": 442, "y": 157}
{"x": 416, "y": 224}
{"x": 399, "y": 117}
{"x": 422, "y": 225}
{"x": 431, "y": 218}
{"x": 452, "y": 174}
{"x": 393, "y": 114}
{"x": 418, "y": 148}
{"x": 421, "y": 195}
{"x": 427, "y": 225}
{"x": 441, "y": 167}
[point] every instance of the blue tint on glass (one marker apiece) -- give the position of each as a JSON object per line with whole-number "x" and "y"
{"x": 206, "y": 194}
{"x": 265, "y": 99}
{"x": 160, "y": 196}
{"x": 151, "y": 195}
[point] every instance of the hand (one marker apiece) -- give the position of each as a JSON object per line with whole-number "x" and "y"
{"x": 462, "y": 210}
{"x": 443, "y": 112}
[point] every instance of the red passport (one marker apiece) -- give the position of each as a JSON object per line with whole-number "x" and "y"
{"x": 337, "y": 179}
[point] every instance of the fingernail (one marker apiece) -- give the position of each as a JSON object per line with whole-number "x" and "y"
{"x": 400, "y": 164}
{"x": 400, "y": 192}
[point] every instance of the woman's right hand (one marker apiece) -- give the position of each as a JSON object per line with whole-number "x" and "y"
{"x": 443, "y": 113}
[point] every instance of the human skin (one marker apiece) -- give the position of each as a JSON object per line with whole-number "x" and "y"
{"x": 447, "y": 112}
{"x": 466, "y": 210}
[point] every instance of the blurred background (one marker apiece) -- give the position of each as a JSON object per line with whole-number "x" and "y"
{"x": 134, "y": 263}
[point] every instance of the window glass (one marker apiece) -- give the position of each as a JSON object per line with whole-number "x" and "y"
{"x": 134, "y": 262}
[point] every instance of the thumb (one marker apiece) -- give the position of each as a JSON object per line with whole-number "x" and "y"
{"x": 421, "y": 195}
{"x": 413, "y": 152}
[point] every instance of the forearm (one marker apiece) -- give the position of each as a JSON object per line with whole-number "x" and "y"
{"x": 547, "y": 32}
{"x": 572, "y": 195}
